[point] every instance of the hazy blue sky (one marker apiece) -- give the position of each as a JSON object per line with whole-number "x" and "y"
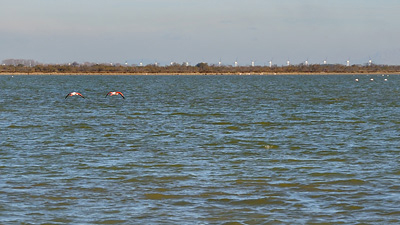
{"x": 60, "y": 31}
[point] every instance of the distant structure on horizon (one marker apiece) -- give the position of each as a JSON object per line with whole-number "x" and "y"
{"x": 16, "y": 62}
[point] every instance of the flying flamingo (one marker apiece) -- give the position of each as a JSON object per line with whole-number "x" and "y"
{"x": 111, "y": 93}
{"x": 74, "y": 93}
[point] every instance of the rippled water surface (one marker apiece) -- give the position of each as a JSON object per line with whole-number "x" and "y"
{"x": 200, "y": 150}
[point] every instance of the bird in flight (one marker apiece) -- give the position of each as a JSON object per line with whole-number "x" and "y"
{"x": 111, "y": 93}
{"x": 74, "y": 93}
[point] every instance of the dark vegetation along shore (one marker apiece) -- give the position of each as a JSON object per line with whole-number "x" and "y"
{"x": 200, "y": 68}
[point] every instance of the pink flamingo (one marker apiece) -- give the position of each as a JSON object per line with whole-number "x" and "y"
{"x": 111, "y": 93}
{"x": 74, "y": 93}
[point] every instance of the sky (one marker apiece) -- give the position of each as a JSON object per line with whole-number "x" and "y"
{"x": 164, "y": 31}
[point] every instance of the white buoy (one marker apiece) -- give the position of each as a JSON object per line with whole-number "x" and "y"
{"x": 356, "y": 79}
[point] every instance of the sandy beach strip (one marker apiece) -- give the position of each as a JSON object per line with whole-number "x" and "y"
{"x": 194, "y": 74}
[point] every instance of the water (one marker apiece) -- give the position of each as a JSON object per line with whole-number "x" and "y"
{"x": 200, "y": 150}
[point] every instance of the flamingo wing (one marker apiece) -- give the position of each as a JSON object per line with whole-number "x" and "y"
{"x": 122, "y": 95}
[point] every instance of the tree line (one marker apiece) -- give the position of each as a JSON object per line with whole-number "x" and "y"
{"x": 200, "y": 68}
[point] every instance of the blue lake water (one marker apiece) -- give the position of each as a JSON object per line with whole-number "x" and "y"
{"x": 200, "y": 150}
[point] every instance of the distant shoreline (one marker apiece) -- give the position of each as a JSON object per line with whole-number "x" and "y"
{"x": 198, "y": 69}
{"x": 194, "y": 74}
